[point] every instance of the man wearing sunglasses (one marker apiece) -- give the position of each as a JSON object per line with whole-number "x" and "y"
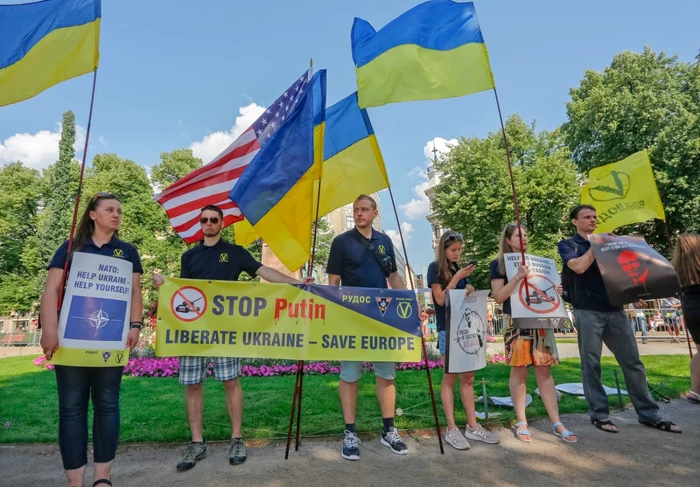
{"x": 216, "y": 259}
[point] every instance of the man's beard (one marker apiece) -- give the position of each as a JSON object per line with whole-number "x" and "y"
{"x": 212, "y": 234}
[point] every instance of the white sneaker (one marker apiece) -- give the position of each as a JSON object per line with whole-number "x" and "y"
{"x": 457, "y": 440}
{"x": 481, "y": 434}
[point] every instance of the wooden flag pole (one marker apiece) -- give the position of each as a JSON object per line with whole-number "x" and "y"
{"x": 514, "y": 192}
{"x": 422, "y": 339}
{"x": 77, "y": 195}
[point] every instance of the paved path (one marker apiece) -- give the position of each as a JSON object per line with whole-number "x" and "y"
{"x": 636, "y": 456}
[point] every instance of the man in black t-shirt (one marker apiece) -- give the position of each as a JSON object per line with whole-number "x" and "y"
{"x": 598, "y": 321}
{"x": 216, "y": 259}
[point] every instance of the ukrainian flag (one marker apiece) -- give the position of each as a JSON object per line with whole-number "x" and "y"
{"x": 275, "y": 192}
{"x": 45, "y": 43}
{"x": 435, "y": 50}
{"x": 352, "y": 163}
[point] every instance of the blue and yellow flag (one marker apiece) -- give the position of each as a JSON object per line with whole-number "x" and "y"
{"x": 45, "y": 43}
{"x": 435, "y": 50}
{"x": 352, "y": 163}
{"x": 275, "y": 193}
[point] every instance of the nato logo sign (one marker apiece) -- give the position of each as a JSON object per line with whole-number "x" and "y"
{"x": 96, "y": 319}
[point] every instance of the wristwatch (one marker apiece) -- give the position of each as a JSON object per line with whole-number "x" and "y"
{"x": 136, "y": 324}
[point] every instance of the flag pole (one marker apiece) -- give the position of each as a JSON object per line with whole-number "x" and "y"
{"x": 77, "y": 196}
{"x": 422, "y": 338}
{"x": 299, "y": 382}
{"x": 514, "y": 192}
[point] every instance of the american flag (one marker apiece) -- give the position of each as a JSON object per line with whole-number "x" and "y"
{"x": 212, "y": 183}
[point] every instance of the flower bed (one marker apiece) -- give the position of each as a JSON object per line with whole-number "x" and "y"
{"x": 170, "y": 367}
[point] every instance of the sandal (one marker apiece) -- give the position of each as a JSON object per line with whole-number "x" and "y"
{"x": 662, "y": 425}
{"x": 102, "y": 481}
{"x": 564, "y": 435}
{"x": 599, "y": 423}
{"x": 692, "y": 397}
{"x": 520, "y": 433}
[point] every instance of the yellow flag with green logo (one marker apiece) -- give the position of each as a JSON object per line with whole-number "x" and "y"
{"x": 623, "y": 193}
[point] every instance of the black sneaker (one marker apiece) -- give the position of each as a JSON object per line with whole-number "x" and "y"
{"x": 194, "y": 453}
{"x": 351, "y": 446}
{"x": 392, "y": 440}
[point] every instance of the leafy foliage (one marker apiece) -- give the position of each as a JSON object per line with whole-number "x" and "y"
{"x": 474, "y": 194}
{"x": 643, "y": 101}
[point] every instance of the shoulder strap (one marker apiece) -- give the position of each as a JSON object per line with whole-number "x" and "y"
{"x": 370, "y": 247}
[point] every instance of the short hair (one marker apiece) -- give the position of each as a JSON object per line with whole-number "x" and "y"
{"x": 368, "y": 198}
{"x": 213, "y": 208}
{"x": 573, "y": 214}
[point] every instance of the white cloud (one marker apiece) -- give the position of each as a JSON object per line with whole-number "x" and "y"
{"x": 211, "y": 145}
{"x": 396, "y": 237}
{"x": 37, "y": 150}
{"x": 419, "y": 206}
{"x": 443, "y": 146}
{"x": 418, "y": 172}
{"x": 102, "y": 140}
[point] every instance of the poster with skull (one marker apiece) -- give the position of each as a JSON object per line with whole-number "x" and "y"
{"x": 466, "y": 328}
{"x": 632, "y": 270}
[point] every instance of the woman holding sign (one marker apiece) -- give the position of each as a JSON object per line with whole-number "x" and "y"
{"x": 525, "y": 348}
{"x": 97, "y": 234}
{"x": 443, "y": 275}
{"x": 686, "y": 261}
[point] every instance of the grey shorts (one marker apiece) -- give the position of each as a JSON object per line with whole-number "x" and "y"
{"x": 351, "y": 371}
{"x": 193, "y": 370}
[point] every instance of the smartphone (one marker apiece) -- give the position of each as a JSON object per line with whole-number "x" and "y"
{"x": 473, "y": 262}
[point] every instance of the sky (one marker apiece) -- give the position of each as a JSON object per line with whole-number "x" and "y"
{"x": 176, "y": 74}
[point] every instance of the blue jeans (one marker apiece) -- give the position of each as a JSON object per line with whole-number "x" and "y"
{"x": 613, "y": 329}
{"x": 75, "y": 386}
{"x": 641, "y": 325}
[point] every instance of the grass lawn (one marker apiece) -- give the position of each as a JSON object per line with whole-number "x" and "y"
{"x": 153, "y": 409}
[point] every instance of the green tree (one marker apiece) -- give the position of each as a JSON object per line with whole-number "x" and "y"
{"x": 474, "y": 194}
{"x": 20, "y": 192}
{"x": 643, "y": 101}
{"x": 21, "y": 273}
{"x": 173, "y": 166}
{"x": 60, "y": 187}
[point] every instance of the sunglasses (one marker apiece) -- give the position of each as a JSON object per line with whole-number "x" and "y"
{"x": 204, "y": 220}
{"x": 453, "y": 237}
{"x": 103, "y": 195}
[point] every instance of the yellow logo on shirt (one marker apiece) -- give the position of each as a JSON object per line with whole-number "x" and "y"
{"x": 223, "y": 257}
{"x": 381, "y": 249}
{"x": 118, "y": 253}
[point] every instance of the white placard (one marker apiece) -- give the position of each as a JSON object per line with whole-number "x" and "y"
{"x": 97, "y": 305}
{"x": 466, "y": 328}
{"x": 545, "y": 307}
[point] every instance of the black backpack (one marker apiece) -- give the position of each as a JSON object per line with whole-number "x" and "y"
{"x": 568, "y": 281}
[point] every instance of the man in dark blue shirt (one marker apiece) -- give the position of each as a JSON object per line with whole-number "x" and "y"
{"x": 216, "y": 259}
{"x": 364, "y": 257}
{"x": 598, "y": 321}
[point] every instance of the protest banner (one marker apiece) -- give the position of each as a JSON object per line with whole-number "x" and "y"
{"x": 632, "y": 270}
{"x": 245, "y": 319}
{"x": 94, "y": 320}
{"x": 466, "y": 329}
{"x": 544, "y": 308}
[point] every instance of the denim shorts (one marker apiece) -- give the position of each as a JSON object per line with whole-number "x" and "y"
{"x": 351, "y": 371}
{"x": 442, "y": 337}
